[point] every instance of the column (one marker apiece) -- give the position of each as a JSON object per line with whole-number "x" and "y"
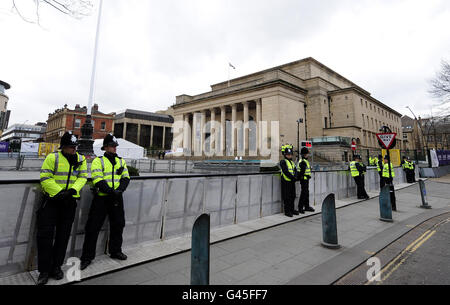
{"x": 195, "y": 145}
{"x": 246, "y": 134}
{"x": 151, "y": 136}
{"x": 233, "y": 129}
{"x": 222, "y": 130}
{"x": 124, "y": 130}
{"x": 212, "y": 138}
{"x": 202, "y": 131}
{"x": 258, "y": 126}
{"x": 185, "y": 132}
{"x": 139, "y": 134}
{"x": 164, "y": 138}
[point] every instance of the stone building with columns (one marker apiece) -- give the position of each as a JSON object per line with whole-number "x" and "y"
{"x": 253, "y": 115}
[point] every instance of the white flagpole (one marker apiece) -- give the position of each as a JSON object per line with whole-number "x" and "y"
{"x": 94, "y": 65}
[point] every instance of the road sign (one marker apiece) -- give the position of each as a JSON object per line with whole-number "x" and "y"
{"x": 307, "y": 144}
{"x": 386, "y": 139}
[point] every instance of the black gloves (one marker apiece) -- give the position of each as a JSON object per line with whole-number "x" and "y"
{"x": 65, "y": 194}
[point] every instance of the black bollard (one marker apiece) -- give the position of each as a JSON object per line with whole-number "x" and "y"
{"x": 423, "y": 193}
{"x": 385, "y": 204}
{"x": 393, "y": 200}
{"x": 329, "y": 224}
{"x": 200, "y": 251}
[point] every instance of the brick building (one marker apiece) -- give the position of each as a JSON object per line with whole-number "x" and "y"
{"x": 66, "y": 119}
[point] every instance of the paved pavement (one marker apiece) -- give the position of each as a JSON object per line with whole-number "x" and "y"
{"x": 291, "y": 253}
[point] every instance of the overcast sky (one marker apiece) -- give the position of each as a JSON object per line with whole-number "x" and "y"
{"x": 152, "y": 51}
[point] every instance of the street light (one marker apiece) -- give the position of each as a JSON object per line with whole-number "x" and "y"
{"x": 300, "y": 120}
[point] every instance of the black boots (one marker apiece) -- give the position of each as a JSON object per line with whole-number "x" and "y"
{"x": 43, "y": 279}
{"x": 119, "y": 256}
{"x": 84, "y": 264}
{"x": 57, "y": 274}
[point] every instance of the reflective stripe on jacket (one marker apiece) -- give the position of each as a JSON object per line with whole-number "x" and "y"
{"x": 307, "y": 174}
{"x": 386, "y": 171}
{"x": 354, "y": 171}
{"x": 102, "y": 169}
{"x": 57, "y": 174}
{"x": 291, "y": 167}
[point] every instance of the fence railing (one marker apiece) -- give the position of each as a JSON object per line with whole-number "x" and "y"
{"x": 160, "y": 207}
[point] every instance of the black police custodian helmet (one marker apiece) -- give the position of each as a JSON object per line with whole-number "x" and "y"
{"x": 109, "y": 140}
{"x": 288, "y": 151}
{"x": 304, "y": 151}
{"x": 68, "y": 139}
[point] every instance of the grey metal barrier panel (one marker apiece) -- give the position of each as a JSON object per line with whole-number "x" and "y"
{"x": 220, "y": 200}
{"x": 161, "y": 166}
{"x": 185, "y": 202}
{"x": 35, "y": 164}
{"x": 271, "y": 197}
{"x": 248, "y": 203}
{"x": 18, "y": 203}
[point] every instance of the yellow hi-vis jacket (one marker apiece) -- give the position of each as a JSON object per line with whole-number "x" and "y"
{"x": 57, "y": 174}
{"x": 291, "y": 168}
{"x": 386, "y": 170}
{"x": 307, "y": 174}
{"x": 354, "y": 171}
{"x": 102, "y": 169}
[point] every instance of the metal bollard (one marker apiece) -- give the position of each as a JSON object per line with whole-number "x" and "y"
{"x": 200, "y": 251}
{"x": 423, "y": 193}
{"x": 329, "y": 224}
{"x": 385, "y": 204}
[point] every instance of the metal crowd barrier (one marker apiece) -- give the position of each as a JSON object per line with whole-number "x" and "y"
{"x": 160, "y": 207}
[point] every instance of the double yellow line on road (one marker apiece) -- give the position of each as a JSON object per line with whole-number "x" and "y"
{"x": 401, "y": 258}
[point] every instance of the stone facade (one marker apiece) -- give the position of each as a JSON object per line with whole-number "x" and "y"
{"x": 251, "y": 116}
{"x": 4, "y": 112}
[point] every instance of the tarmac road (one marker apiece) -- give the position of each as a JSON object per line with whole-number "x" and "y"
{"x": 420, "y": 257}
{"x": 427, "y": 262}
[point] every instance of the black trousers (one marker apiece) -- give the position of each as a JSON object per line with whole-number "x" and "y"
{"x": 360, "y": 190}
{"x": 410, "y": 176}
{"x": 303, "y": 202}
{"x": 54, "y": 224}
{"x": 288, "y": 195}
{"x": 101, "y": 207}
{"x": 382, "y": 181}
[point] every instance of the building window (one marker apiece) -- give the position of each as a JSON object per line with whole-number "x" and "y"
{"x": 103, "y": 127}
{"x": 326, "y": 123}
{"x": 77, "y": 123}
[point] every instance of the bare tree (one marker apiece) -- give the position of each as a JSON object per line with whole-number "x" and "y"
{"x": 440, "y": 85}
{"x": 74, "y": 8}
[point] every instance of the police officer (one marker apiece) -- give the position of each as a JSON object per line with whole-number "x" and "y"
{"x": 288, "y": 174}
{"x": 405, "y": 167}
{"x": 304, "y": 174}
{"x": 410, "y": 174}
{"x": 358, "y": 169}
{"x": 63, "y": 175}
{"x": 388, "y": 179}
{"x": 111, "y": 178}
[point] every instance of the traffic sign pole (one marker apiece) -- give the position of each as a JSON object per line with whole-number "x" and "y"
{"x": 387, "y": 139}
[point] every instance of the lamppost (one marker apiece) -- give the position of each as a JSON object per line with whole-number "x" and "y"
{"x": 300, "y": 120}
{"x": 86, "y": 141}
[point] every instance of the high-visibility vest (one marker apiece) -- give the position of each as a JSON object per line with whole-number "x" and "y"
{"x": 102, "y": 169}
{"x": 410, "y": 165}
{"x": 379, "y": 169}
{"x": 354, "y": 171}
{"x": 307, "y": 170}
{"x": 291, "y": 167}
{"x": 374, "y": 161}
{"x": 57, "y": 174}
{"x": 386, "y": 171}
{"x": 405, "y": 165}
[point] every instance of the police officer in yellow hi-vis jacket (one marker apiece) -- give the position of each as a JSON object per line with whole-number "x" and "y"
{"x": 63, "y": 175}
{"x": 110, "y": 176}
{"x": 304, "y": 174}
